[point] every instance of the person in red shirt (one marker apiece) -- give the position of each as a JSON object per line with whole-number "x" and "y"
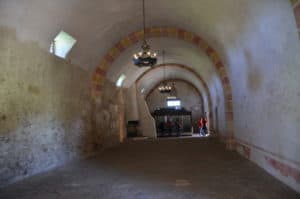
{"x": 200, "y": 125}
{"x": 203, "y": 126}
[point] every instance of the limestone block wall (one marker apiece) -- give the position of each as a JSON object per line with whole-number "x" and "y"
{"x": 109, "y": 116}
{"x": 45, "y": 109}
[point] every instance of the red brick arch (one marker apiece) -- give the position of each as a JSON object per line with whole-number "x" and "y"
{"x": 180, "y": 34}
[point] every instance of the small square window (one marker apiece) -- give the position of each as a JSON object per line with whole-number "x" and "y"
{"x": 62, "y": 44}
{"x": 174, "y": 103}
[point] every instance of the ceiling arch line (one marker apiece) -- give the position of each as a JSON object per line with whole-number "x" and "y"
{"x": 171, "y": 32}
{"x": 176, "y": 65}
{"x": 173, "y": 80}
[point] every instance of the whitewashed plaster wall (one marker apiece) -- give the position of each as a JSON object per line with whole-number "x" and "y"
{"x": 136, "y": 108}
{"x": 147, "y": 122}
{"x": 131, "y": 105}
{"x": 218, "y": 125}
{"x": 264, "y": 70}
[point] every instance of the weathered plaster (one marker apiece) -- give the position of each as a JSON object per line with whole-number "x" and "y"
{"x": 44, "y": 110}
{"x": 108, "y": 116}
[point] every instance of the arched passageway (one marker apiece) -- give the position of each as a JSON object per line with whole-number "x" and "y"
{"x": 191, "y": 99}
{"x": 113, "y": 53}
{"x": 188, "y": 70}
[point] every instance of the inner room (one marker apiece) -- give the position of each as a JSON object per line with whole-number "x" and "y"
{"x": 176, "y": 113}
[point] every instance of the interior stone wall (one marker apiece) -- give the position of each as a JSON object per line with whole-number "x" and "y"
{"x": 218, "y": 125}
{"x": 45, "y": 109}
{"x": 264, "y": 69}
{"x": 132, "y": 112}
{"x": 109, "y": 116}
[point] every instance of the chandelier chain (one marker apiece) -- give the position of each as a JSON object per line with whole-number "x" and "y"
{"x": 163, "y": 61}
{"x": 145, "y": 57}
{"x": 144, "y": 22}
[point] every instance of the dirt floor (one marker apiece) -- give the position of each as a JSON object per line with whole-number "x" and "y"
{"x": 157, "y": 169}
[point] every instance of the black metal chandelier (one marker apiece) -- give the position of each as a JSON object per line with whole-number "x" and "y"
{"x": 145, "y": 57}
{"x": 164, "y": 87}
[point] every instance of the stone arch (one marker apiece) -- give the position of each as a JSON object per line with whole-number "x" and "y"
{"x": 189, "y": 83}
{"x": 199, "y": 77}
{"x": 180, "y": 34}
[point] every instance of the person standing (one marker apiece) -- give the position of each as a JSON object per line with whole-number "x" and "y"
{"x": 200, "y": 123}
{"x": 203, "y": 126}
{"x": 169, "y": 126}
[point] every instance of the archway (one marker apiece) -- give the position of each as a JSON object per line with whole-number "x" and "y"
{"x": 170, "y": 32}
{"x": 189, "y": 69}
{"x": 192, "y": 98}
{"x": 175, "y": 65}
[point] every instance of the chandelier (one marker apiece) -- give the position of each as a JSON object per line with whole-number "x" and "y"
{"x": 145, "y": 57}
{"x": 164, "y": 87}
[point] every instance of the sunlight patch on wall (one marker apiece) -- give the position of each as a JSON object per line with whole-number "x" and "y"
{"x": 120, "y": 80}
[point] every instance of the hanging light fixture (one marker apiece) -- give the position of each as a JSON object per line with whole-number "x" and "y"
{"x": 164, "y": 87}
{"x": 145, "y": 57}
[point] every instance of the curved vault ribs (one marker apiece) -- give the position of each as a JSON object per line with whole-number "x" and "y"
{"x": 181, "y": 66}
{"x": 171, "y": 32}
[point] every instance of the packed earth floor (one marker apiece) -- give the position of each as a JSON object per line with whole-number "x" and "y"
{"x": 155, "y": 169}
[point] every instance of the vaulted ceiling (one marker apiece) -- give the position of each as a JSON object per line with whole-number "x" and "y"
{"x": 229, "y": 26}
{"x": 97, "y": 25}
{"x": 176, "y": 51}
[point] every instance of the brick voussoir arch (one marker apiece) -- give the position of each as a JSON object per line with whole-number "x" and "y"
{"x": 169, "y": 32}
